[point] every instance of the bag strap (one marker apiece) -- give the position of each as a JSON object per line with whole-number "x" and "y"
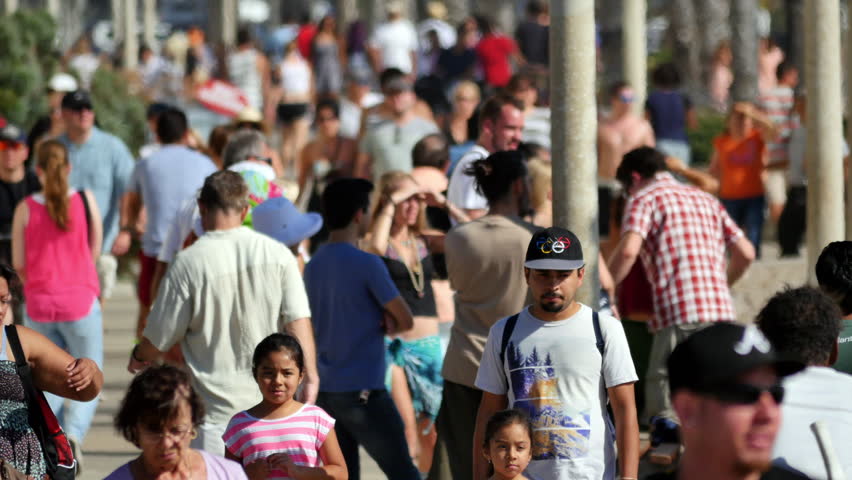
{"x": 507, "y": 335}
{"x": 23, "y": 368}
{"x": 86, "y": 209}
{"x": 596, "y": 323}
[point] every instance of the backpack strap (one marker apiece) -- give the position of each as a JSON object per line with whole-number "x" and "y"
{"x": 86, "y": 209}
{"x": 596, "y": 323}
{"x": 507, "y": 335}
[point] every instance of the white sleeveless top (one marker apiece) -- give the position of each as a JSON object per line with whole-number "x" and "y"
{"x": 295, "y": 78}
{"x": 242, "y": 67}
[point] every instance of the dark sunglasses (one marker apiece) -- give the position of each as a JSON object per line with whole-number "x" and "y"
{"x": 745, "y": 394}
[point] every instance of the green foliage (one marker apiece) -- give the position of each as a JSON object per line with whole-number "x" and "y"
{"x": 26, "y": 62}
{"x": 117, "y": 110}
{"x": 710, "y": 124}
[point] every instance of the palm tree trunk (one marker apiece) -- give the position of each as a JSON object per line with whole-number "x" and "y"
{"x": 684, "y": 32}
{"x": 744, "y": 47}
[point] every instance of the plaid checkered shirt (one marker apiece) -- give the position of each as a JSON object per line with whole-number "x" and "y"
{"x": 686, "y": 232}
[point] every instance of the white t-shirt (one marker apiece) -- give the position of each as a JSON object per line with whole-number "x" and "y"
{"x": 219, "y": 299}
{"x": 396, "y": 41}
{"x": 462, "y": 190}
{"x": 559, "y": 378}
{"x": 816, "y": 393}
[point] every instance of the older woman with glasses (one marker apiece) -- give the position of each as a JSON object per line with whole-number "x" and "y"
{"x": 160, "y": 414}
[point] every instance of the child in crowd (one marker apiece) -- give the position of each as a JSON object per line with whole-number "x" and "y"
{"x": 280, "y": 438}
{"x": 508, "y": 444}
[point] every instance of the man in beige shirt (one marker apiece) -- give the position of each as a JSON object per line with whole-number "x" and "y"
{"x": 221, "y": 297}
{"x": 485, "y": 262}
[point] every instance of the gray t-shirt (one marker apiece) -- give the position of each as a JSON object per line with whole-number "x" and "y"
{"x": 389, "y": 144}
{"x": 164, "y": 180}
{"x": 554, "y": 372}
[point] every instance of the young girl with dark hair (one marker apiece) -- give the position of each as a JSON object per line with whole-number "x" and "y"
{"x": 280, "y": 437}
{"x": 56, "y": 235}
{"x": 508, "y": 444}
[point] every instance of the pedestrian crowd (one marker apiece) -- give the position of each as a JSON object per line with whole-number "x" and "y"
{"x": 382, "y": 271}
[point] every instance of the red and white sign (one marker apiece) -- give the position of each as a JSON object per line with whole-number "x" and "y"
{"x": 222, "y": 97}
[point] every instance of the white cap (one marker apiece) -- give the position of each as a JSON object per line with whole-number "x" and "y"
{"x": 62, "y": 82}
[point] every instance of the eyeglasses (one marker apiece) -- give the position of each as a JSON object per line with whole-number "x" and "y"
{"x": 329, "y": 118}
{"x": 10, "y": 145}
{"x": 745, "y": 394}
{"x": 176, "y": 434}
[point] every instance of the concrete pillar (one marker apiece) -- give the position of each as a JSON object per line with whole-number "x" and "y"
{"x": 149, "y": 22}
{"x": 224, "y": 17}
{"x": 117, "y": 9}
{"x": 634, "y": 50}
{"x": 130, "y": 52}
{"x": 849, "y": 113}
{"x": 824, "y": 119}
{"x": 744, "y": 45}
{"x": 53, "y": 8}
{"x": 10, "y": 6}
{"x": 574, "y": 130}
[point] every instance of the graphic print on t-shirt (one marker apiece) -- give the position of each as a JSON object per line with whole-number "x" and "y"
{"x": 560, "y": 431}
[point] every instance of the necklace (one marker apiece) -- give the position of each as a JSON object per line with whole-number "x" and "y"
{"x": 415, "y": 273}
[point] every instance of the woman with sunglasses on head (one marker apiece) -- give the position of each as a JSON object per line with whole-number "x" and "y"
{"x": 53, "y": 371}
{"x": 160, "y": 414}
{"x": 398, "y": 235}
{"x": 56, "y": 235}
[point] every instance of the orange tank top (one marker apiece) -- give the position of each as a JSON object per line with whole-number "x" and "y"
{"x": 740, "y": 165}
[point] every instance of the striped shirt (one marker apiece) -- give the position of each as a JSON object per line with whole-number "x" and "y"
{"x": 299, "y": 435}
{"x": 778, "y": 106}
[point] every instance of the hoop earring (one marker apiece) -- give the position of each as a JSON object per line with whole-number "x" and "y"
{"x": 193, "y": 434}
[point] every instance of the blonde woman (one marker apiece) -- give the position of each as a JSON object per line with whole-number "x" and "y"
{"x": 398, "y": 235}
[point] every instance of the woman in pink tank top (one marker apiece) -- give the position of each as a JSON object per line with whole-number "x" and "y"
{"x": 56, "y": 235}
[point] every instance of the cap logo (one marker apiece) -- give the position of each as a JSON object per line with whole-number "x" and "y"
{"x": 551, "y": 245}
{"x": 752, "y": 339}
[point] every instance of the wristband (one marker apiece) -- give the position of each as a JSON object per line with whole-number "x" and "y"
{"x": 133, "y": 354}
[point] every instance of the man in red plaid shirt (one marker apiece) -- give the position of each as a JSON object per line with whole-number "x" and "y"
{"x": 681, "y": 235}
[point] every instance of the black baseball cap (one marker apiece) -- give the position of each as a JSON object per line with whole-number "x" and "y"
{"x": 554, "y": 248}
{"x": 715, "y": 356}
{"x": 12, "y": 133}
{"x": 77, "y": 100}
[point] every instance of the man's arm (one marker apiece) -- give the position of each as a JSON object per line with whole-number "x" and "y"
{"x": 626, "y": 429}
{"x": 624, "y": 256}
{"x": 142, "y": 355}
{"x": 303, "y": 330}
{"x": 398, "y": 316}
{"x": 488, "y": 406}
{"x": 742, "y": 254}
{"x": 129, "y": 208}
{"x": 362, "y": 165}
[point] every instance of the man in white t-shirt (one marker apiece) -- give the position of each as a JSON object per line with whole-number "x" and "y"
{"x": 394, "y": 43}
{"x": 501, "y": 123}
{"x": 221, "y": 297}
{"x": 804, "y": 324}
{"x": 560, "y": 361}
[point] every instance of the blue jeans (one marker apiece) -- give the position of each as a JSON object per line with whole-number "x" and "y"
{"x": 375, "y": 424}
{"x": 749, "y": 215}
{"x": 83, "y": 338}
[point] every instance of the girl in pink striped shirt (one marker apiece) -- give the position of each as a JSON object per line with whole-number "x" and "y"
{"x": 280, "y": 438}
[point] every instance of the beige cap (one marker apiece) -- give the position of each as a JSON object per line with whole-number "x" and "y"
{"x": 436, "y": 10}
{"x": 394, "y": 7}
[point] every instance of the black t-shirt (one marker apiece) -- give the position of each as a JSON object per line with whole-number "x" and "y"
{"x": 774, "y": 473}
{"x": 10, "y": 195}
{"x": 533, "y": 42}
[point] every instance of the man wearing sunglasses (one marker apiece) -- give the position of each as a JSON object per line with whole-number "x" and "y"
{"x": 16, "y": 182}
{"x": 804, "y": 324}
{"x": 726, "y": 388}
{"x": 102, "y": 163}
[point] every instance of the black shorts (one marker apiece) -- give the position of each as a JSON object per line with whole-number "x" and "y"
{"x": 288, "y": 113}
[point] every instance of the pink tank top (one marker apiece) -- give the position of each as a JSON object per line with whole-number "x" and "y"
{"x": 61, "y": 280}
